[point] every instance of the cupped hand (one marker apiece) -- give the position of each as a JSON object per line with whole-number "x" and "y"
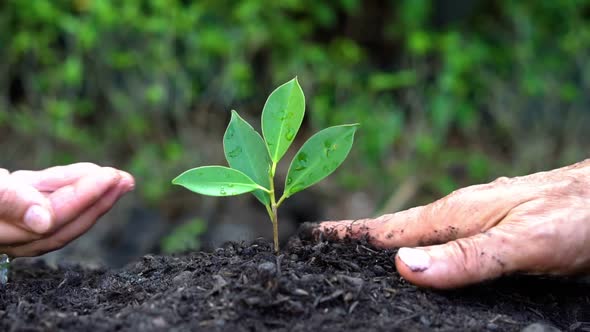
{"x": 538, "y": 224}
{"x": 41, "y": 211}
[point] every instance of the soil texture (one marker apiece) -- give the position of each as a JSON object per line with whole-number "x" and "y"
{"x": 311, "y": 286}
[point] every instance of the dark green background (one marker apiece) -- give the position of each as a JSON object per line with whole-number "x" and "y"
{"x": 448, "y": 93}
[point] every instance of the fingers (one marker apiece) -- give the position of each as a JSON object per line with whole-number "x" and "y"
{"x": 73, "y": 230}
{"x": 127, "y": 181}
{"x": 23, "y": 206}
{"x": 53, "y": 178}
{"x": 464, "y": 261}
{"x": 463, "y": 213}
{"x": 385, "y": 231}
{"x": 70, "y": 201}
{"x": 11, "y": 234}
{"x": 4, "y": 172}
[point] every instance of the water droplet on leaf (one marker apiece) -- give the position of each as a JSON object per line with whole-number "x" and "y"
{"x": 230, "y": 132}
{"x": 290, "y": 134}
{"x": 301, "y": 161}
{"x": 329, "y": 148}
{"x": 289, "y": 180}
{"x": 235, "y": 152}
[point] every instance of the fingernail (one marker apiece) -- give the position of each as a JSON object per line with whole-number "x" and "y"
{"x": 37, "y": 219}
{"x": 127, "y": 180}
{"x": 415, "y": 259}
{"x": 111, "y": 174}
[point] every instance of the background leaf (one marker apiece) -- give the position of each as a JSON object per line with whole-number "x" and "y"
{"x": 216, "y": 181}
{"x": 245, "y": 151}
{"x": 319, "y": 157}
{"x": 281, "y": 118}
{"x": 184, "y": 237}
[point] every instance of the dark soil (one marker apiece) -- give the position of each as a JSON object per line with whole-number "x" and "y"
{"x": 310, "y": 287}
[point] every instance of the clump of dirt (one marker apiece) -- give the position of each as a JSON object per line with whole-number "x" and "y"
{"x": 311, "y": 286}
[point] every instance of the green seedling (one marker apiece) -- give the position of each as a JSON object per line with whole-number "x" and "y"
{"x": 253, "y": 159}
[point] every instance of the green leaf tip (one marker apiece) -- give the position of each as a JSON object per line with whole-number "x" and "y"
{"x": 282, "y": 116}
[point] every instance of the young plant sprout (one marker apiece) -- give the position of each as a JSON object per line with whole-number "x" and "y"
{"x": 253, "y": 160}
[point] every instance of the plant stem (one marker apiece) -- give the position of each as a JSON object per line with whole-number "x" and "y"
{"x": 273, "y": 210}
{"x": 281, "y": 200}
{"x": 275, "y": 228}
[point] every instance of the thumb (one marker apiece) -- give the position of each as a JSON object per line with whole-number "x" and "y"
{"x": 24, "y": 206}
{"x": 458, "y": 263}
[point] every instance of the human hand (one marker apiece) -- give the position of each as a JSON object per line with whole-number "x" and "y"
{"x": 41, "y": 211}
{"x": 537, "y": 224}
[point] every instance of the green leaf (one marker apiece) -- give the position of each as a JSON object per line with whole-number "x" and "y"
{"x": 245, "y": 151}
{"x": 216, "y": 181}
{"x": 319, "y": 157}
{"x": 281, "y": 118}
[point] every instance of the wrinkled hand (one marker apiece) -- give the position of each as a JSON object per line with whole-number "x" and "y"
{"x": 41, "y": 211}
{"x": 537, "y": 224}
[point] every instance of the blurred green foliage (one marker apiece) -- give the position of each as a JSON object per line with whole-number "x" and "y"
{"x": 184, "y": 237}
{"x": 455, "y": 91}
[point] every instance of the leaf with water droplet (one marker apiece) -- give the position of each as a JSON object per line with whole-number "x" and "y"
{"x": 300, "y": 161}
{"x": 319, "y": 157}
{"x": 230, "y": 132}
{"x": 283, "y": 111}
{"x": 212, "y": 181}
{"x": 235, "y": 152}
{"x": 245, "y": 151}
{"x": 290, "y": 134}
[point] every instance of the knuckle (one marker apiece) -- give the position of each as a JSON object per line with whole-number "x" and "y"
{"x": 567, "y": 186}
{"x": 501, "y": 180}
{"x": 466, "y": 253}
{"x": 87, "y": 165}
{"x": 455, "y": 198}
{"x": 7, "y": 195}
{"x": 112, "y": 173}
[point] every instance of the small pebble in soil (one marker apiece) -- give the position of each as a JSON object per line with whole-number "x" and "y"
{"x": 4, "y": 264}
{"x": 492, "y": 327}
{"x": 425, "y": 320}
{"x": 379, "y": 270}
{"x": 540, "y": 327}
{"x": 267, "y": 269}
{"x": 182, "y": 278}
